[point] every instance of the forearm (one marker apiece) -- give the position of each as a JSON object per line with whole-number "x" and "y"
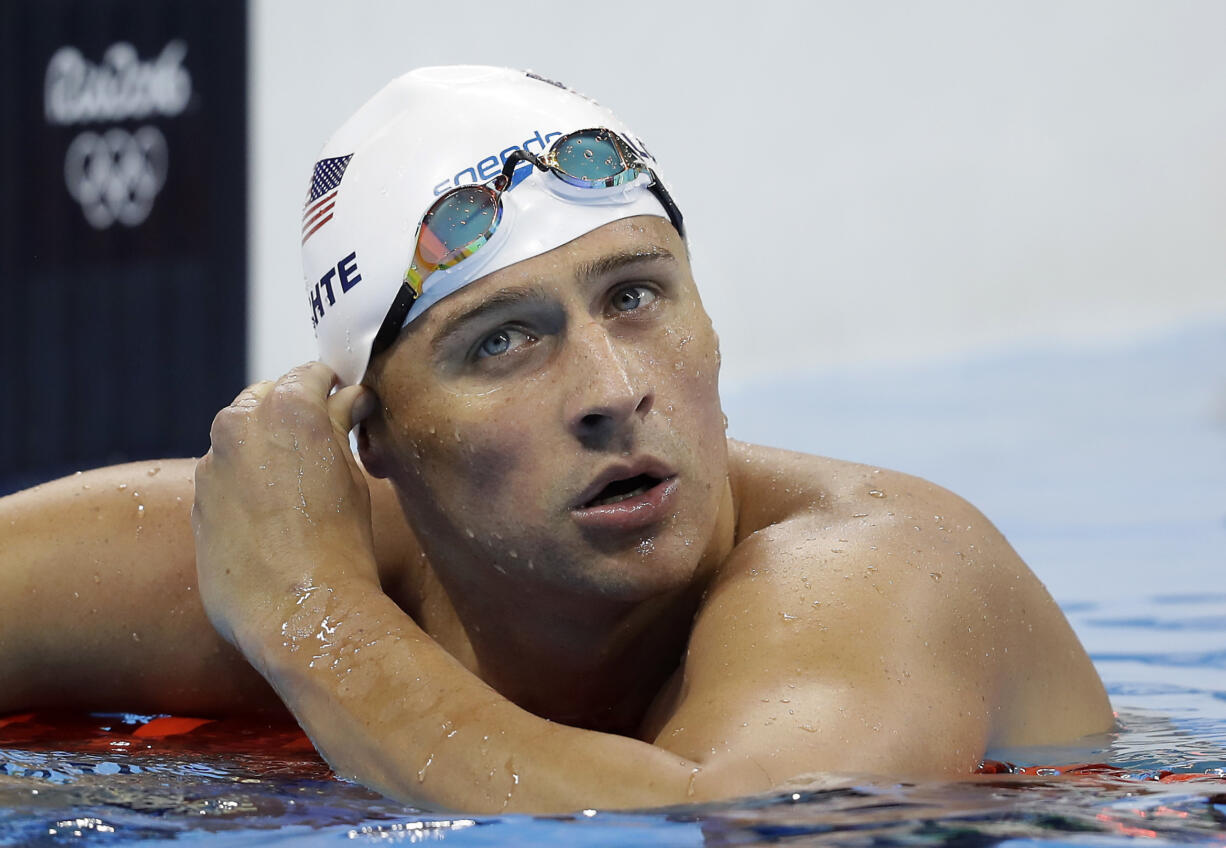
{"x": 388, "y": 707}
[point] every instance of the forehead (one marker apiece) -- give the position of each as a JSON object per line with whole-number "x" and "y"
{"x": 646, "y": 236}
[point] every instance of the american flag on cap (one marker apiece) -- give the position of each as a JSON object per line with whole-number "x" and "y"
{"x": 325, "y": 180}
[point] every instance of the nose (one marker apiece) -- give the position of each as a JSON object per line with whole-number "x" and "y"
{"x": 610, "y": 391}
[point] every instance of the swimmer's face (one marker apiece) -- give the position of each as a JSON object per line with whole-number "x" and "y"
{"x": 518, "y": 414}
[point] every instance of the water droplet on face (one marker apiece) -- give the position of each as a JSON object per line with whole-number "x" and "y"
{"x": 935, "y": 575}
{"x": 876, "y": 493}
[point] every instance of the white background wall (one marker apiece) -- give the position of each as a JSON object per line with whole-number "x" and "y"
{"x": 862, "y": 180}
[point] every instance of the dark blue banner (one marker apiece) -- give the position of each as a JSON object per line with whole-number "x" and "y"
{"x": 123, "y": 229}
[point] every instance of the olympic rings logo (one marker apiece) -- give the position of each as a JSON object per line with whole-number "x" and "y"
{"x": 116, "y": 175}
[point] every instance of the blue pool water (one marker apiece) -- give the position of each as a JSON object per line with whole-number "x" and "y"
{"x": 1105, "y": 467}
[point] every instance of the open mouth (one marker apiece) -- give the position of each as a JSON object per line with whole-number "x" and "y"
{"x": 621, "y": 490}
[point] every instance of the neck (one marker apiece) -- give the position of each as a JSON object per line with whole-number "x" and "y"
{"x": 600, "y": 673}
{"x": 578, "y": 658}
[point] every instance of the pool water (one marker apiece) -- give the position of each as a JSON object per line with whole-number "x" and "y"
{"x": 1105, "y": 467}
{"x": 94, "y": 779}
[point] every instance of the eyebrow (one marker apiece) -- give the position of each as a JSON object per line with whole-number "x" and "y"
{"x": 588, "y": 272}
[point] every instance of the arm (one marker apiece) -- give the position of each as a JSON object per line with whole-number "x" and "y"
{"x": 98, "y": 600}
{"x": 386, "y": 706}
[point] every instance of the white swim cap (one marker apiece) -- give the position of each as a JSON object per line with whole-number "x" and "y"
{"x": 424, "y": 133}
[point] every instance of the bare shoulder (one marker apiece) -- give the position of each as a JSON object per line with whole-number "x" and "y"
{"x": 117, "y": 498}
{"x": 98, "y": 582}
{"x": 773, "y": 485}
{"x": 151, "y": 502}
{"x": 887, "y": 582}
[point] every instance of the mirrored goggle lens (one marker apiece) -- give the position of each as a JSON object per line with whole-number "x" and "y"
{"x": 455, "y": 222}
{"x": 589, "y": 156}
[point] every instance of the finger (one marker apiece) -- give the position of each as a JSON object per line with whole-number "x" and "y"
{"x": 348, "y": 406}
{"x": 313, "y": 378}
{"x": 253, "y": 394}
{"x": 200, "y": 485}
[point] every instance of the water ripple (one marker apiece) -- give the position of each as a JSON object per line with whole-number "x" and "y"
{"x": 1204, "y": 623}
{"x": 1181, "y": 659}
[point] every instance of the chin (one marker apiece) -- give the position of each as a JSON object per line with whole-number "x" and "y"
{"x": 641, "y": 573}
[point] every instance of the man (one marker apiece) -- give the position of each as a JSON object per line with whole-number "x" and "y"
{"x": 553, "y": 583}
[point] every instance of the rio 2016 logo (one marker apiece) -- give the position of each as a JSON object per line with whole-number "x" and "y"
{"x": 116, "y": 173}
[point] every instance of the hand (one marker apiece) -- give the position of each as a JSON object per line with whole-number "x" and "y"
{"x": 281, "y": 505}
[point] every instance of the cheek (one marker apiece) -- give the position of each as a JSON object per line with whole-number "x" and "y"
{"x": 489, "y": 471}
{"x": 694, "y": 350}
{"x": 694, "y": 406}
{"x": 481, "y": 458}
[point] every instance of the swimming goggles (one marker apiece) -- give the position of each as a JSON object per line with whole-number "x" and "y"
{"x": 464, "y": 218}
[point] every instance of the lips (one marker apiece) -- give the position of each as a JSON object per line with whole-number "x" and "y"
{"x": 627, "y": 496}
{"x": 620, "y": 490}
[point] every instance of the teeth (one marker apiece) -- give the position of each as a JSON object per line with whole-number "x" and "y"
{"x": 612, "y": 499}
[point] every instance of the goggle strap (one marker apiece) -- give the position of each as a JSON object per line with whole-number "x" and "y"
{"x": 661, "y": 193}
{"x": 394, "y": 320}
{"x": 513, "y": 160}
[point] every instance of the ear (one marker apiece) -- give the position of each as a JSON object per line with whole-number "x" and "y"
{"x": 371, "y": 438}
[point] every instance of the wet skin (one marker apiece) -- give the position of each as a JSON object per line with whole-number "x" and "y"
{"x": 505, "y": 410}
{"x": 748, "y": 617}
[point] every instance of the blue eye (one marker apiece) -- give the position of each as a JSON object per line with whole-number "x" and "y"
{"x": 493, "y": 345}
{"x": 631, "y": 298}
{"x": 501, "y": 341}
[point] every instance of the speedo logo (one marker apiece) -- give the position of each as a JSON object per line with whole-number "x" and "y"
{"x": 490, "y": 166}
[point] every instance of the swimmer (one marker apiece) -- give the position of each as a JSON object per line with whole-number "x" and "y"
{"x": 551, "y": 582}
